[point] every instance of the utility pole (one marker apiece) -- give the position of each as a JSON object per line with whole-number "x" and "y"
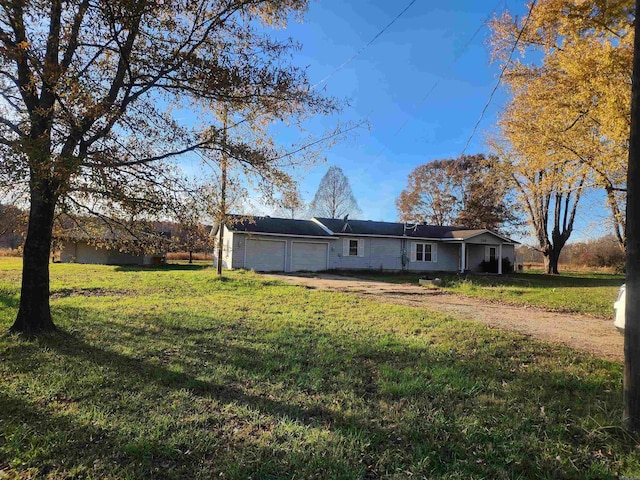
{"x": 222, "y": 214}
{"x": 632, "y": 310}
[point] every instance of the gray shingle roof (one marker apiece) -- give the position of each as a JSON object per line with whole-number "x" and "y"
{"x": 286, "y": 226}
{"x": 283, "y": 226}
{"x": 368, "y": 227}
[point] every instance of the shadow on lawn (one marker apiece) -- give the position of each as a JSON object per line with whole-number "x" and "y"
{"x": 532, "y": 280}
{"x": 167, "y": 267}
{"x": 468, "y": 397}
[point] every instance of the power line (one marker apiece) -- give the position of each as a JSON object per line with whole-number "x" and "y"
{"x": 350, "y": 59}
{"x": 502, "y": 72}
{"x": 453, "y": 62}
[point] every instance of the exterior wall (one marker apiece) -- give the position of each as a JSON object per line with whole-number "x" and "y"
{"x": 379, "y": 254}
{"x": 509, "y": 251}
{"x": 227, "y": 250}
{"x": 476, "y": 254}
{"x": 448, "y": 258}
{"x": 81, "y": 252}
{"x": 239, "y": 245}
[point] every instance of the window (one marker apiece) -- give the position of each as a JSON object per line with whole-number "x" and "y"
{"x": 491, "y": 254}
{"x": 353, "y": 248}
{"x": 423, "y": 252}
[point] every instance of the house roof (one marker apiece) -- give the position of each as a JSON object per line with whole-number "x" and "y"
{"x": 395, "y": 229}
{"x": 314, "y": 227}
{"x": 273, "y": 225}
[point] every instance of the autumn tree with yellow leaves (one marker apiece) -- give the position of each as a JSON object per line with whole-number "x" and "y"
{"x": 568, "y": 69}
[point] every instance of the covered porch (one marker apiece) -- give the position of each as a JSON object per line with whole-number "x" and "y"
{"x": 486, "y": 253}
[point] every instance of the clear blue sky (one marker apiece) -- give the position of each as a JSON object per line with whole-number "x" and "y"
{"x": 388, "y": 85}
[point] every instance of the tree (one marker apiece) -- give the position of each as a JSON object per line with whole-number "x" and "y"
{"x": 88, "y": 90}
{"x": 467, "y": 191}
{"x": 291, "y": 204}
{"x": 570, "y": 86}
{"x": 334, "y": 197}
{"x": 632, "y": 310}
{"x": 549, "y": 188}
{"x": 13, "y": 224}
{"x": 431, "y": 195}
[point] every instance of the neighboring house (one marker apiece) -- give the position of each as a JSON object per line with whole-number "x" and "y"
{"x": 284, "y": 245}
{"x": 111, "y": 248}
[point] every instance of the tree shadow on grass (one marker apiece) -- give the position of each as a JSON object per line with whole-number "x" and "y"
{"x": 412, "y": 403}
{"x": 166, "y": 268}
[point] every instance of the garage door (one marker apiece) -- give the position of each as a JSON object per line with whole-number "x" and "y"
{"x": 308, "y": 257}
{"x": 265, "y": 255}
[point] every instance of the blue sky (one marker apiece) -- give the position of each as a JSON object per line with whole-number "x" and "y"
{"x": 387, "y": 85}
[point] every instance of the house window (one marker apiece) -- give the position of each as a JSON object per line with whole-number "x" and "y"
{"x": 492, "y": 254}
{"x": 424, "y": 252}
{"x": 353, "y": 248}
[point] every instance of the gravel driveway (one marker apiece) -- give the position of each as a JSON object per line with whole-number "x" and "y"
{"x": 581, "y": 332}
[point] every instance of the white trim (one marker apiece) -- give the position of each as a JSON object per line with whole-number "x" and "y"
{"x": 500, "y": 259}
{"x": 430, "y": 239}
{"x": 336, "y": 235}
{"x": 313, "y": 243}
{"x": 346, "y": 247}
{"x": 322, "y": 225}
{"x": 433, "y": 252}
{"x": 288, "y": 235}
{"x": 507, "y": 240}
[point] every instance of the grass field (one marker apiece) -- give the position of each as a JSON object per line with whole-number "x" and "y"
{"x": 588, "y": 293}
{"x": 174, "y": 373}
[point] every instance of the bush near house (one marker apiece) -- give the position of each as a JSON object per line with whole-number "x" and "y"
{"x": 491, "y": 266}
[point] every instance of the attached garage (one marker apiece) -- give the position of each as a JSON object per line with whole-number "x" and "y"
{"x": 265, "y": 255}
{"x": 308, "y": 256}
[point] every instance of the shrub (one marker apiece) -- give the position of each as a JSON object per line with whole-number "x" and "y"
{"x": 491, "y": 266}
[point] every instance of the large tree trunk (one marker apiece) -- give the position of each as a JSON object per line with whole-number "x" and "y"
{"x": 632, "y": 318}
{"x": 551, "y": 262}
{"x": 34, "y": 314}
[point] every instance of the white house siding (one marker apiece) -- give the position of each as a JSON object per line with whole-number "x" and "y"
{"x": 227, "y": 250}
{"x": 476, "y": 253}
{"x": 378, "y": 253}
{"x": 447, "y": 258}
{"x": 509, "y": 251}
{"x": 485, "y": 239}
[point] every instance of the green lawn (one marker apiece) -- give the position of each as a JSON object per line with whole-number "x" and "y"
{"x": 588, "y": 293}
{"x": 174, "y": 373}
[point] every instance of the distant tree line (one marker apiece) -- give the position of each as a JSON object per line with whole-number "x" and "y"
{"x": 602, "y": 252}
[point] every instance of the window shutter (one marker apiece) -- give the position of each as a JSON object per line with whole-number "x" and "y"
{"x": 413, "y": 252}
{"x": 434, "y": 252}
{"x": 360, "y": 247}
{"x": 345, "y": 247}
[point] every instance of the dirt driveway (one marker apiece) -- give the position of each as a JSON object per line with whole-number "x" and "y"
{"x": 593, "y": 335}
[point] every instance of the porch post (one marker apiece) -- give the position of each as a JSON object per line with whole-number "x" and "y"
{"x": 500, "y": 259}
{"x": 463, "y": 257}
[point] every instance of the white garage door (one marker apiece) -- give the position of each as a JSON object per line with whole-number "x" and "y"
{"x": 308, "y": 257}
{"x": 265, "y": 255}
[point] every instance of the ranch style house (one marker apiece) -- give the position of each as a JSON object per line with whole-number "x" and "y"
{"x": 271, "y": 244}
